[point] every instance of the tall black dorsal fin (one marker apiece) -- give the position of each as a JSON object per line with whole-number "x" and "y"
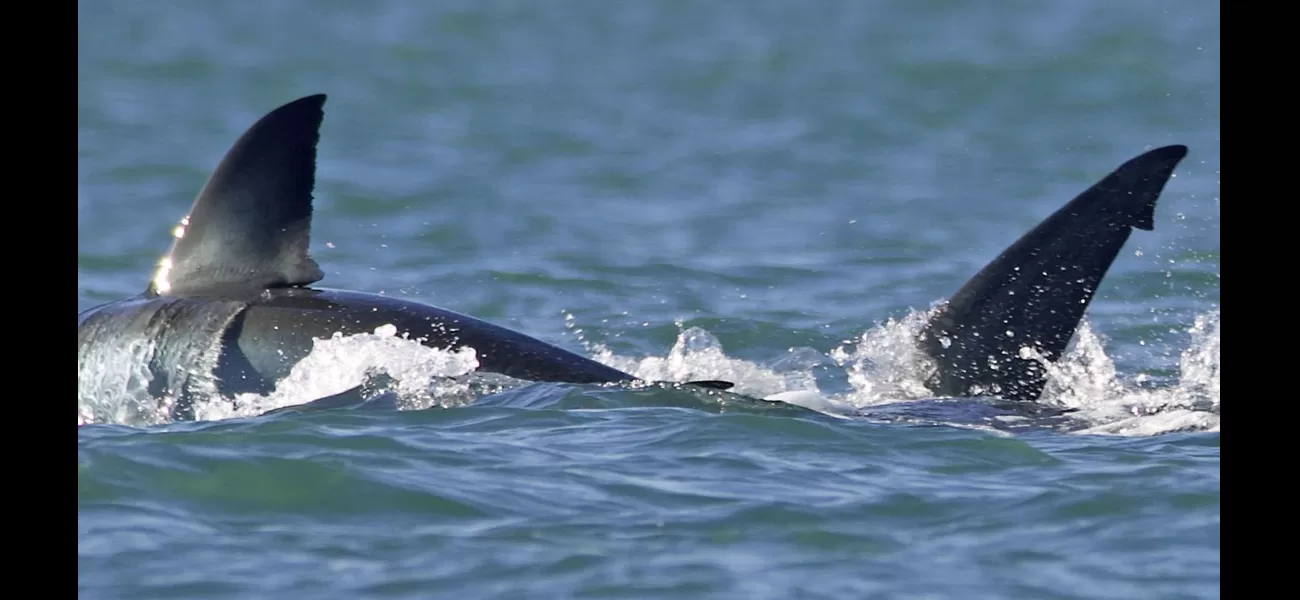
{"x": 1035, "y": 293}
{"x": 250, "y": 226}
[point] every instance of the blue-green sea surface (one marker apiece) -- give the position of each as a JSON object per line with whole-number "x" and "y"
{"x": 767, "y": 192}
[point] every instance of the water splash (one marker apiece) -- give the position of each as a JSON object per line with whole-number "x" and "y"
{"x": 697, "y": 355}
{"x": 1199, "y": 364}
{"x": 1191, "y": 405}
{"x": 114, "y": 386}
{"x": 887, "y": 367}
{"x": 342, "y": 362}
{"x": 883, "y": 367}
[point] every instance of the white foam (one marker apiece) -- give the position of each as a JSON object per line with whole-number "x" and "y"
{"x": 885, "y": 367}
{"x": 882, "y": 366}
{"x": 343, "y": 362}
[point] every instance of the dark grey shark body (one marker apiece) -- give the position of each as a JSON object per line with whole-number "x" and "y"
{"x": 262, "y": 335}
{"x": 230, "y": 308}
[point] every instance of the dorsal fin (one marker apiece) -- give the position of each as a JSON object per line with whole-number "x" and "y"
{"x": 1035, "y": 293}
{"x": 250, "y": 225}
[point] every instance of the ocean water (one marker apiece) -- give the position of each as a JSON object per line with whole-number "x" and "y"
{"x": 767, "y": 192}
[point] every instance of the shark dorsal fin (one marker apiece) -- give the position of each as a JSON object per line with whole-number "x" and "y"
{"x": 1033, "y": 296}
{"x": 250, "y": 226}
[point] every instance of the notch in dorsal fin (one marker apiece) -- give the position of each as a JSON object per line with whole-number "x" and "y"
{"x": 1035, "y": 293}
{"x": 250, "y": 225}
